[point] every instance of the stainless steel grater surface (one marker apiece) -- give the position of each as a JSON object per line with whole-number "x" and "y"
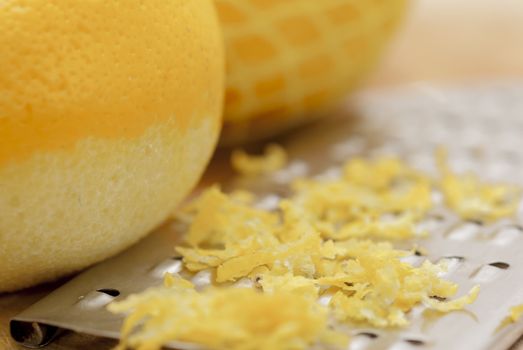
{"x": 482, "y": 128}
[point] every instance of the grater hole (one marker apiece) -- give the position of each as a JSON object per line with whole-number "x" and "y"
{"x": 258, "y": 279}
{"x": 295, "y": 169}
{"x": 461, "y": 165}
{"x": 458, "y": 258}
{"x": 341, "y": 151}
{"x": 269, "y": 202}
{"x": 109, "y": 291}
{"x": 370, "y": 335}
{"x": 202, "y": 279}
{"x": 500, "y": 265}
{"x": 438, "y": 198}
{"x": 390, "y": 217}
{"x": 430, "y": 224}
{"x": 172, "y": 265}
{"x": 489, "y": 272}
{"x": 415, "y": 342}
{"x": 475, "y": 222}
{"x": 507, "y": 234}
{"x": 244, "y": 283}
{"x": 437, "y": 217}
{"x": 511, "y": 156}
{"x": 389, "y": 149}
{"x": 422, "y": 161}
{"x": 497, "y": 170}
{"x": 468, "y": 230}
{"x": 325, "y": 299}
{"x": 413, "y": 260}
{"x": 97, "y": 299}
{"x": 331, "y": 173}
{"x": 362, "y": 340}
{"x": 408, "y": 344}
{"x": 452, "y": 263}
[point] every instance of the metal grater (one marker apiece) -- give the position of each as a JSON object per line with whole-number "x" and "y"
{"x": 481, "y": 127}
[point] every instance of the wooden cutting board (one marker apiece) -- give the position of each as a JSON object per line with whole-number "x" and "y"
{"x": 449, "y": 41}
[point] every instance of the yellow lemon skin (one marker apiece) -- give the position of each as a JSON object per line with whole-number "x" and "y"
{"x": 289, "y": 60}
{"x": 109, "y": 112}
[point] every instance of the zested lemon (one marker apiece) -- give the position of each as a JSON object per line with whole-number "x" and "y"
{"x": 109, "y": 111}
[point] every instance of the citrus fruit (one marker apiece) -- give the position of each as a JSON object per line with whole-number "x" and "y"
{"x": 289, "y": 60}
{"x": 109, "y": 111}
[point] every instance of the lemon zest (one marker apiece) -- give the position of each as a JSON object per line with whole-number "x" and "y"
{"x": 231, "y": 318}
{"x": 273, "y": 159}
{"x": 514, "y": 316}
{"x": 473, "y": 199}
{"x": 457, "y": 304}
{"x": 516, "y": 312}
{"x": 331, "y": 240}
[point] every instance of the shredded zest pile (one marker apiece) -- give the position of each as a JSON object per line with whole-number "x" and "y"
{"x": 225, "y": 319}
{"x": 321, "y": 256}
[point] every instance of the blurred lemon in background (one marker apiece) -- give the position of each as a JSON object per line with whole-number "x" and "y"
{"x": 288, "y": 60}
{"x": 109, "y": 112}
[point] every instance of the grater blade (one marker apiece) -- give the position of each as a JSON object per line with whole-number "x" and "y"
{"x": 481, "y": 127}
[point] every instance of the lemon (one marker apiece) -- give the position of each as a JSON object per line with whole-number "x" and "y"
{"x": 109, "y": 111}
{"x": 289, "y": 60}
